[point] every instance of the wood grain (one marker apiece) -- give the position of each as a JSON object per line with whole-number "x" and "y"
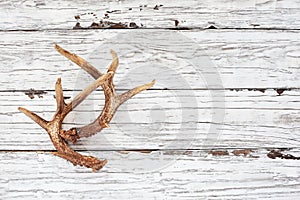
{"x": 158, "y": 119}
{"x": 173, "y": 174}
{"x": 240, "y": 59}
{"x": 227, "y": 79}
{"x": 253, "y": 14}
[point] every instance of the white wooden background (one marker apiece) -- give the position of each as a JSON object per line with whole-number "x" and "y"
{"x": 255, "y": 47}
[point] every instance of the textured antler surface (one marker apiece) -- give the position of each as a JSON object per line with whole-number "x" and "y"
{"x": 112, "y": 99}
{"x": 54, "y": 127}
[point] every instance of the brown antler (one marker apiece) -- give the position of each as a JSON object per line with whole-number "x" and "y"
{"x": 54, "y": 127}
{"x": 112, "y": 99}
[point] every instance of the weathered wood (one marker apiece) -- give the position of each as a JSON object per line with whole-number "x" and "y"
{"x": 241, "y": 59}
{"x": 159, "y": 175}
{"x": 158, "y": 119}
{"x": 45, "y": 14}
{"x": 158, "y": 125}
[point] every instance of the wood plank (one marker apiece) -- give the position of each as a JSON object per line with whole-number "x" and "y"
{"x": 158, "y": 175}
{"x": 164, "y": 119}
{"x": 45, "y": 14}
{"x": 234, "y": 88}
{"x": 177, "y": 60}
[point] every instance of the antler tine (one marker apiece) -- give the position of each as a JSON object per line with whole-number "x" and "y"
{"x": 54, "y": 127}
{"x": 115, "y": 62}
{"x": 130, "y": 93}
{"x": 89, "y": 68}
{"x": 59, "y": 96}
{"x": 112, "y": 99}
{"x": 37, "y": 119}
{"x": 109, "y": 87}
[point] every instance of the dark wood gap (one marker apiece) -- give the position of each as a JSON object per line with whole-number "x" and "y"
{"x": 154, "y": 28}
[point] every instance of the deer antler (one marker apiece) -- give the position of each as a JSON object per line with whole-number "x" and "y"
{"x": 112, "y": 99}
{"x": 54, "y": 127}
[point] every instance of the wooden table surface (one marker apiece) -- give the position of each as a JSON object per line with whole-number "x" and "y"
{"x": 226, "y": 98}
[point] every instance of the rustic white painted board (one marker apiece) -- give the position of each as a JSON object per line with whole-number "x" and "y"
{"x": 156, "y": 119}
{"x": 255, "y": 47}
{"x": 182, "y": 175}
{"x": 241, "y": 59}
{"x": 45, "y": 14}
